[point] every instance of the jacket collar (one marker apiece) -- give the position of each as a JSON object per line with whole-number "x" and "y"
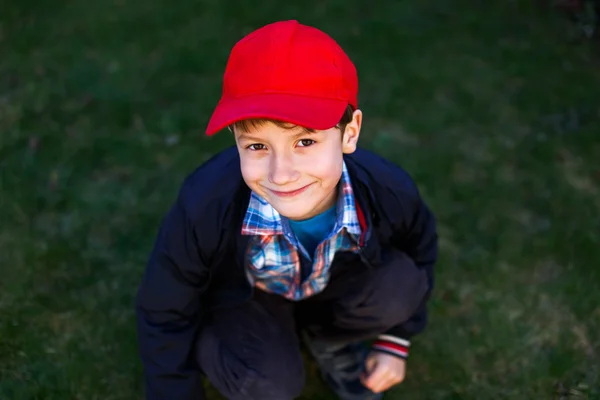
{"x": 370, "y": 208}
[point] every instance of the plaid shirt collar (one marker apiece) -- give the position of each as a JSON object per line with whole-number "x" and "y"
{"x": 263, "y": 220}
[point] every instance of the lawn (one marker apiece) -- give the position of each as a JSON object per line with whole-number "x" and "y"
{"x": 491, "y": 106}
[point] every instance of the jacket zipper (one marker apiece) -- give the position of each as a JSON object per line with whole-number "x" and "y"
{"x": 362, "y": 244}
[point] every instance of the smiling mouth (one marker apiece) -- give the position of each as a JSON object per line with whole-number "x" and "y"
{"x": 291, "y": 193}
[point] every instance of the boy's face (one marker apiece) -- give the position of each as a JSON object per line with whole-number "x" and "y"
{"x": 295, "y": 171}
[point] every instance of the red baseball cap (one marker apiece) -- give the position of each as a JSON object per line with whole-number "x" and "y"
{"x": 289, "y": 72}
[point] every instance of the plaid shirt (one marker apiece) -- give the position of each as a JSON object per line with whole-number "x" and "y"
{"x": 274, "y": 263}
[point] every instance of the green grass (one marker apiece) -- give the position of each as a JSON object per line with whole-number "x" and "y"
{"x": 489, "y": 105}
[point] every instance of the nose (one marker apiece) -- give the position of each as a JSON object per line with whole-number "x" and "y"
{"x": 282, "y": 170}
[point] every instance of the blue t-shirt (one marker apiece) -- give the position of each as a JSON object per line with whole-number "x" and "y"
{"x": 311, "y": 232}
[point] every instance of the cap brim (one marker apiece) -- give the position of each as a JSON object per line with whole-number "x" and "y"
{"x": 309, "y": 112}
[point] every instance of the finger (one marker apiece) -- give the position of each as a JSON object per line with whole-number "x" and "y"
{"x": 384, "y": 385}
{"x": 377, "y": 379}
{"x": 370, "y": 365}
{"x": 387, "y": 384}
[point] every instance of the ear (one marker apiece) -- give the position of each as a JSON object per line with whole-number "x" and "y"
{"x": 351, "y": 133}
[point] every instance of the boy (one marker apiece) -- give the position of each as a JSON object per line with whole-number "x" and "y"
{"x": 293, "y": 235}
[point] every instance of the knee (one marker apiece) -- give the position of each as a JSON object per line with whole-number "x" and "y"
{"x": 392, "y": 294}
{"x": 400, "y": 289}
{"x": 283, "y": 384}
{"x": 245, "y": 366}
{"x": 278, "y": 374}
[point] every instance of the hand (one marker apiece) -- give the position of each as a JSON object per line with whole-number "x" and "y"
{"x": 383, "y": 371}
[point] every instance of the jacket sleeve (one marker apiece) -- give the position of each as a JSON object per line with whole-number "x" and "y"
{"x": 417, "y": 237}
{"x": 167, "y": 307}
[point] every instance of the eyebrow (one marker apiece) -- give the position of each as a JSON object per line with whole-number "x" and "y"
{"x": 245, "y": 136}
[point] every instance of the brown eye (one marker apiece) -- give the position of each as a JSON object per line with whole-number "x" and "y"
{"x": 256, "y": 147}
{"x": 306, "y": 142}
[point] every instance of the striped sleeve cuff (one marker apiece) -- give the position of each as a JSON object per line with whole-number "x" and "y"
{"x": 392, "y": 345}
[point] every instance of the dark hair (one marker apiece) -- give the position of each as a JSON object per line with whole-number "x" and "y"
{"x": 247, "y": 124}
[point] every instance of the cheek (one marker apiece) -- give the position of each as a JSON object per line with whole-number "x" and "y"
{"x": 252, "y": 170}
{"x": 327, "y": 168}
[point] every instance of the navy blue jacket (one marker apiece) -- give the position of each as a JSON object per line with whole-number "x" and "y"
{"x": 196, "y": 265}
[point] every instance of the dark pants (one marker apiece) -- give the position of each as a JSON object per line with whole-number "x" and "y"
{"x": 252, "y": 351}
